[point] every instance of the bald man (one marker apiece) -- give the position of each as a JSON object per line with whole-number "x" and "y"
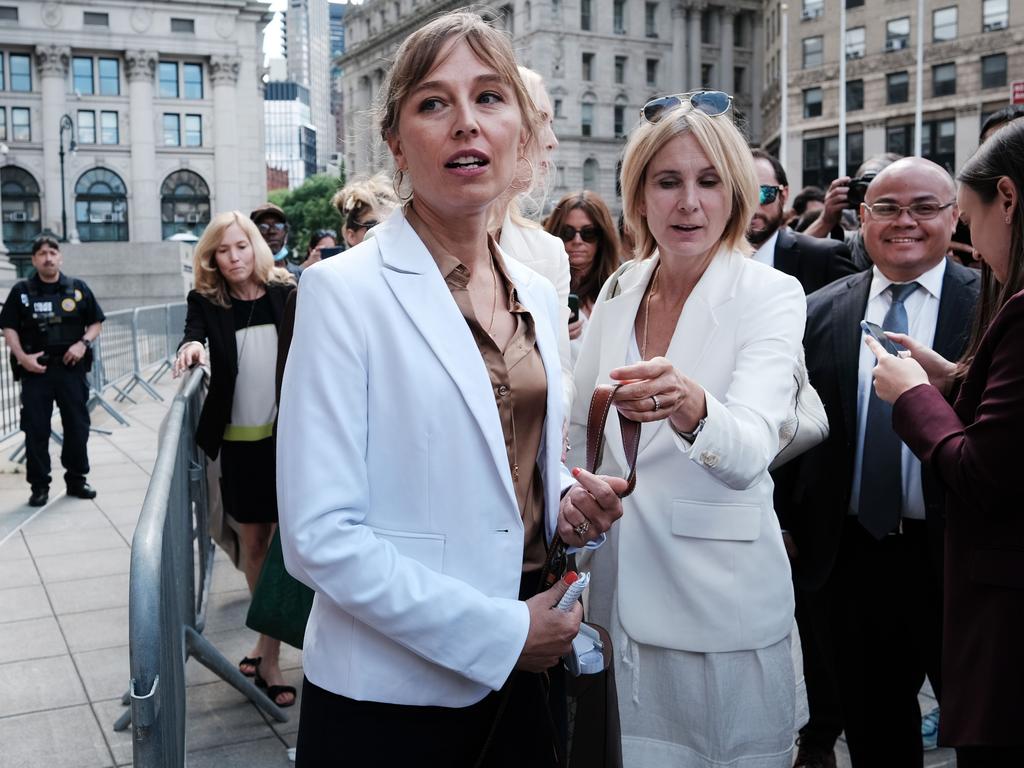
{"x": 862, "y": 517}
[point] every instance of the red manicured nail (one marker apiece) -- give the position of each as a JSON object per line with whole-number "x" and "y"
{"x": 576, "y": 471}
{"x": 570, "y": 577}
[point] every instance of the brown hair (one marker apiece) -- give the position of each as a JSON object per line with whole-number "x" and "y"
{"x": 607, "y": 256}
{"x": 209, "y": 282}
{"x": 1001, "y": 156}
{"x": 371, "y": 195}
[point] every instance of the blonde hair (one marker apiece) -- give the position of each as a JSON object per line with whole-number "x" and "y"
{"x": 726, "y": 149}
{"x": 209, "y": 282}
{"x": 420, "y": 53}
{"x": 366, "y": 194}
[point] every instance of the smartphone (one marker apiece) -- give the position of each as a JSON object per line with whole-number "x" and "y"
{"x": 574, "y": 307}
{"x": 875, "y": 331}
{"x": 326, "y": 253}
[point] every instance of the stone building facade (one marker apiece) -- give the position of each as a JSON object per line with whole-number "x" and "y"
{"x": 601, "y": 61}
{"x": 165, "y": 109}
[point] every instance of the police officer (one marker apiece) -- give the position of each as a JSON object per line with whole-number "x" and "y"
{"x": 50, "y": 322}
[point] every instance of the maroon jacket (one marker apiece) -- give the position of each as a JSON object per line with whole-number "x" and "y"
{"x": 976, "y": 448}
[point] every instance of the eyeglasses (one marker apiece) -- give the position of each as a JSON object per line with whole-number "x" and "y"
{"x": 368, "y": 224}
{"x": 266, "y": 227}
{"x": 711, "y": 103}
{"x": 769, "y": 193}
{"x": 587, "y": 234}
{"x": 918, "y": 211}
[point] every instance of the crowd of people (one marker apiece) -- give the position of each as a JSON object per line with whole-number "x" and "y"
{"x": 414, "y": 416}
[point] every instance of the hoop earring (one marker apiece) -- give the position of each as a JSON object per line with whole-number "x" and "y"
{"x": 396, "y": 183}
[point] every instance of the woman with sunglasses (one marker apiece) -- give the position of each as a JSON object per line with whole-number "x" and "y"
{"x": 585, "y": 226}
{"x": 362, "y": 205}
{"x": 693, "y": 582}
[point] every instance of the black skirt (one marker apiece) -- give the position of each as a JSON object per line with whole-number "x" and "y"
{"x": 248, "y": 480}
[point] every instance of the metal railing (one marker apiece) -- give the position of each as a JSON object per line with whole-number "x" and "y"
{"x": 171, "y": 566}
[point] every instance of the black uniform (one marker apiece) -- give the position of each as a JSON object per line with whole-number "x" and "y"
{"x": 51, "y": 317}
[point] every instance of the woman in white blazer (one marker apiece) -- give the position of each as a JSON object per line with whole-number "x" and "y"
{"x": 404, "y": 494}
{"x": 694, "y": 582}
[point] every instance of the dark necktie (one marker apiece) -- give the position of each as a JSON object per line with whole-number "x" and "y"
{"x": 881, "y": 486}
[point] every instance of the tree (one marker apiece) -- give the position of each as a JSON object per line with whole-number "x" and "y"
{"x": 308, "y": 208}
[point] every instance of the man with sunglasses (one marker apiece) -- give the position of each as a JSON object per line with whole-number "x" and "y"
{"x": 812, "y": 261}
{"x": 863, "y": 517}
{"x": 273, "y": 225}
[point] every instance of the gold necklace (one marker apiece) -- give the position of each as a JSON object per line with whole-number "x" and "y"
{"x": 647, "y": 308}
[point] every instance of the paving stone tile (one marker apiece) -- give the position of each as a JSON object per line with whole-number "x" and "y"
{"x": 105, "y": 673}
{"x": 89, "y": 594}
{"x": 84, "y": 565}
{"x": 73, "y": 542}
{"x": 95, "y": 629}
{"x": 226, "y": 578}
{"x": 119, "y": 742}
{"x": 227, "y": 610}
{"x": 31, "y": 639}
{"x": 14, "y": 549}
{"x": 59, "y": 738}
{"x": 20, "y": 603}
{"x": 17, "y": 573}
{"x": 64, "y": 518}
{"x": 219, "y": 715}
{"x": 38, "y": 684}
{"x": 265, "y": 753}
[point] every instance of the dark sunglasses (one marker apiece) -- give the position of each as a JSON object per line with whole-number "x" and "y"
{"x": 587, "y": 234}
{"x": 711, "y": 103}
{"x": 269, "y": 226}
{"x": 368, "y": 224}
{"x": 769, "y": 193}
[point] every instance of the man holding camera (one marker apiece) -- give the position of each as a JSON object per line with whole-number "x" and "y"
{"x": 49, "y": 322}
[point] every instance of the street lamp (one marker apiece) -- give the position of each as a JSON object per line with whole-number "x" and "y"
{"x": 65, "y": 125}
{"x": 4, "y": 149}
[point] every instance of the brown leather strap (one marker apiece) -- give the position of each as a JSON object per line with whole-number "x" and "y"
{"x": 600, "y": 405}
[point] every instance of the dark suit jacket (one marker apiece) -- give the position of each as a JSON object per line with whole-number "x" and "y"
{"x": 974, "y": 449}
{"x": 204, "y": 321}
{"x": 814, "y": 261}
{"x": 813, "y": 496}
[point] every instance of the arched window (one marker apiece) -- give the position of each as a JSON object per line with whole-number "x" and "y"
{"x": 101, "y": 206}
{"x": 590, "y": 169}
{"x": 184, "y": 204}
{"x": 21, "y": 210}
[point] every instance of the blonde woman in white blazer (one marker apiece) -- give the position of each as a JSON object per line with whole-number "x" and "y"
{"x": 693, "y": 581}
{"x": 415, "y": 490}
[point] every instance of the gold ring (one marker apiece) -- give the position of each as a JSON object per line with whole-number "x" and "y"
{"x": 582, "y": 528}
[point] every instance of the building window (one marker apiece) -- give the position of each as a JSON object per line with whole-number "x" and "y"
{"x": 588, "y": 66}
{"x": 938, "y": 142}
{"x": 168, "y": 80}
{"x": 993, "y": 70}
{"x": 854, "y": 95}
{"x": 590, "y": 170}
{"x": 651, "y": 19}
{"x": 995, "y": 15}
{"x": 821, "y": 161}
{"x": 854, "y": 149}
{"x": 184, "y": 204}
{"x": 739, "y": 79}
{"x": 3, "y": 123}
{"x": 944, "y": 24}
{"x": 619, "y": 120}
{"x": 897, "y": 87}
{"x": 172, "y": 130}
{"x": 101, "y": 207}
{"x": 812, "y": 9}
{"x": 854, "y": 3}
{"x": 587, "y": 119}
{"x": 652, "y": 72}
{"x": 558, "y": 108}
{"x": 585, "y": 15}
{"x": 193, "y": 81}
{"x": 812, "y": 102}
{"x": 110, "y": 77}
{"x": 81, "y": 71}
{"x": 8, "y": 13}
{"x": 899, "y": 139}
{"x": 706, "y": 37}
{"x": 856, "y": 43}
{"x": 897, "y": 34}
{"x": 22, "y": 214}
{"x": 739, "y": 32}
{"x": 21, "y": 72}
{"x": 109, "y": 133}
{"x": 86, "y": 126}
{"x": 90, "y": 19}
{"x": 183, "y": 26}
{"x": 944, "y": 79}
{"x": 193, "y": 131}
{"x": 706, "y": 75}
{"x": 21, "y": 124}
{"x": 619, "y": 17}
{"x": 2, "y": 73}
{"x": 812, "y": 51}
{"x": 620, "y": 70}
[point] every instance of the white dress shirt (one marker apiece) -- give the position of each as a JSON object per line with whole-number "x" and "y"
{"x": 766, "y": 253}
{"x": 922, "y": 316}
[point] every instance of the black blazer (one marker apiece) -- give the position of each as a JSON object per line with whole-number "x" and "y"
{"x": 814, "y": 261}
{"x": 204, "y": 321}
{"x": 813, "y": 496}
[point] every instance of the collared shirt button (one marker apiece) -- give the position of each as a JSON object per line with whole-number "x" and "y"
{"x": 503, "y": 390}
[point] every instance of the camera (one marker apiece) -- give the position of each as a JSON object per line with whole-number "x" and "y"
{"x": 858, "y": 188}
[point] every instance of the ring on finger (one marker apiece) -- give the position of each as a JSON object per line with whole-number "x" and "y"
{"x": 582, "y": 528}
{"x": 657, "y": 405}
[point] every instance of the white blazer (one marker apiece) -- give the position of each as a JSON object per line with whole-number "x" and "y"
{"x": 545, "y": 254}
{"x": 395, "y": 496}
{"x": 701, "y": 564}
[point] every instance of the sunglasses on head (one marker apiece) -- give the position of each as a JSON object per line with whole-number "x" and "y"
{"x": 587, "y": 234}
{"x": 368, "y": 224}
{"x": 769, "y": 193}
{"x": 711, "y": 103}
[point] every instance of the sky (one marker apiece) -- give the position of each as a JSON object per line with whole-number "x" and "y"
{"x": 272, "y": 36}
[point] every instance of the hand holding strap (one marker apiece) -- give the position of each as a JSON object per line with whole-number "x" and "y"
{"x": 600, "y": 405}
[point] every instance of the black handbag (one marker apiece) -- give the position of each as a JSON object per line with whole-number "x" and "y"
{"x": 280, "y": 603}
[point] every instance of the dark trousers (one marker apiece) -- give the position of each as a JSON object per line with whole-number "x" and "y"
{"x": 816, "y": 644}
{"x": 336, "y": 731}
{"x": 886, "y": 617}
{"x": 39, "y": 391}
{"x": 989, "y": 757}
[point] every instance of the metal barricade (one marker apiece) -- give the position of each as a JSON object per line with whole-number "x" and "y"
{"x": 171, "y": 566}
{"x": 10, "y": 395}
